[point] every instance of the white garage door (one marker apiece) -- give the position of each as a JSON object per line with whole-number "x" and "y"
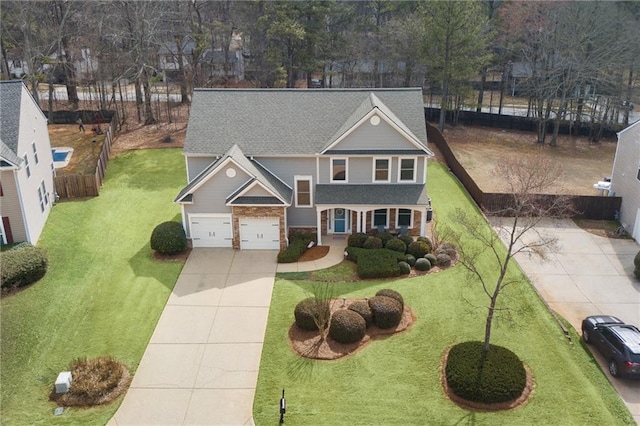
{"x": 211, "y": 231}
{"x": 259, "y": 234}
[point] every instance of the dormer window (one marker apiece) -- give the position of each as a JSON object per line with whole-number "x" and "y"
{"x": 407, "y": 170}
{"x": 339, "y": 170}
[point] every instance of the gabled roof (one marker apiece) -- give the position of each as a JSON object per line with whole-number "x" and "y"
{"x": 10, "y": 98}
{"x": 255, "y": 170}
{"x": 281, "y": 122}
{"x": 8, "y": 158}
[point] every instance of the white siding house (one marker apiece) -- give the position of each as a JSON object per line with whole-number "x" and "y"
{"x": 625, "y": 178}
{"x": 26, "y": 165}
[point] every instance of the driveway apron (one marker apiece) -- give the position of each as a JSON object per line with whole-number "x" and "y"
{"x": 201, "y": 365}
{"x": 588, "y": 275}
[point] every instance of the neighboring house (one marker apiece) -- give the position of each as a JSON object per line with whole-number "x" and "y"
{"x": 26, "y": 165}
{"x": 169, "y": 57}
{"x": 625, "y": 178}
{"x": 264, "y": 162}
{"x": 214, "y": 65}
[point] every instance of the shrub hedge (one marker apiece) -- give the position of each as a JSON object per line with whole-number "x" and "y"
{"x": 380, "y": 263}
{"x": 347, "y": 326}
{"x": 294, "y": 250}
{"x": 387, "y": 312}
{"x": 357, "y": 240}
{"x": 362, "y": 308}
{"x": 503, "y": 376}
{"x": 396, "y": 244}
{"x": 22, "y": 265}
{"x": 305, "y": 312}
{"x": 168, "y": 238}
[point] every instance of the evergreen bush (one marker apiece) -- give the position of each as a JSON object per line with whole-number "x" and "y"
{"x": 22, "y": 265}
{"x": 347, "y": 326}
{"x": 168, "y": 238}
{"x": 387, "y": 312}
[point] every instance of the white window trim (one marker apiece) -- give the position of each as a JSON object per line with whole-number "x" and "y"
{"x": 27, "y": 167}
{"x": 410, "y": 218}
{"x": 373, "y": 216}
{"x": 373, "y": 175}
{"x": 415, "y": 169}
{"x": 346, "y": 170}
{"x": 295, "y": 190}
{"x": 44, "y": 192}
{"x": 41, "y": 200}
{"x": 35, "y": 152}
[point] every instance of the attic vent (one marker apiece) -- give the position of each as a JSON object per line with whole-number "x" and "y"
{"x": 375, "y": 120}
{"x": 231, "y": 172}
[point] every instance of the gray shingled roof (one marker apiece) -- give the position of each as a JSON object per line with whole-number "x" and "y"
{"x": 291, "y": 121}
{"x": 383, "y": 195}
{"x": 10, "y": 99}
{"x": 256, "y": 170}
{"x": 251, "y": 201}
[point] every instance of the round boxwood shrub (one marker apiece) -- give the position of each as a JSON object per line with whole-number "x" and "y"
{"x": 385, "y": 237}
{"x": 169, "y": 238}
{"x": 431, "y": 258}
{"x": 418, "y": 249}
{"x": 405, "y": 268}
{"x": 372, "y": 243}
{"x": 362, "y": 307}
{"x": 396, "y": 244}
{"x": 422, "y": 264}
{"x": 305, "y": 312}
{"x": 392, "y": 294}
{"x": 357, "y": 240}
{"x": 347, "y": 326}
{"x": 443, "y": 260}
{"x": 503, "y": 375}
{"x": 387, "y": 312}
{"x": 407, "y": 239}
{"x": 427, "y": 241}
{"x": 411, "y": 259}
{"x": 22, "y": 266}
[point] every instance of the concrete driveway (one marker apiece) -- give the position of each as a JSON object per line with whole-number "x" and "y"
{"x": 201, "y": 365}
{"x": 588, "y": 275}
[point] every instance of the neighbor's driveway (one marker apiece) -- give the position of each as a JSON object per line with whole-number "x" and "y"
{"x": 588, "y": 275}
{"x": 201, "y": 365}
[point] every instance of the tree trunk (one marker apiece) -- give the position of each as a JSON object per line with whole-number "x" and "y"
{"x": 483, "y": 80}
{"x": 148, "y": 108}
{"x": 139, "y": 100}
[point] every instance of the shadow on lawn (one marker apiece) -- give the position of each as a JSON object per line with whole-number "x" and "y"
{"x": 468, "y": 419}
{"x": 144, "y": 265}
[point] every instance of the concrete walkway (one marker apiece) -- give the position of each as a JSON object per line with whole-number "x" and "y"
{"x": 588, "y": 275}
{"x": 201, "y": 365}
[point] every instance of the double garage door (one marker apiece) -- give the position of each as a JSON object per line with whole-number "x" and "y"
{"x": 217, "y": 231}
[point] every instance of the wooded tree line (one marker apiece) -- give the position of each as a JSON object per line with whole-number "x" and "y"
{"x": 570, "y": 60}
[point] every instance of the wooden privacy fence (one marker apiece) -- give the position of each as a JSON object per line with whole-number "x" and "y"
{"x": 76, "y": 186}
{"x": 588, "y": 207}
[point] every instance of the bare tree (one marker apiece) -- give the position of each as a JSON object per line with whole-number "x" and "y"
{"x": 482, "y": 251}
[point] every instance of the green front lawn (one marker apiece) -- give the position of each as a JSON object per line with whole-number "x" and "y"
{"x": 396, "y": 380}
{"x": 103, "y": 293}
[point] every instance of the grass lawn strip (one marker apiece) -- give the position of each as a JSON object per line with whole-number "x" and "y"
{"x": 397, "y": 380}
{"x": 103, "y": 293}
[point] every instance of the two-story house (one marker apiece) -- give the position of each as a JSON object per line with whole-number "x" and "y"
{"x": 26, "y": 165}
{"x": 263, "y": 162}
{"x": 625, "y": 178}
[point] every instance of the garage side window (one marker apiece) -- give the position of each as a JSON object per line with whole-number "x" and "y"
{"x": 304, "y": 193}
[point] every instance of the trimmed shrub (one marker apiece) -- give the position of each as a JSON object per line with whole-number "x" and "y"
{"x": 357, "y": 240}
{"x": 427, "y": 241}
{"x": 392, "y": 294}
{"x": 168, "y": 238}
{"x": 636, "y": 262}
{"x": 385, "y": 237}
{"x": 302, "y": 235}
{"x": 294, "y": 250}
{"x": 362, "y": 308}
{"x": 372, "y": 243}
{"x": 418, "y": 249}
{"x": 503, "y": 375}
{"x": 443, "y": 260}
{"x": 410, "y": 259}
{"x": 380, "y": 263}
{"x": 353, "y": 252}
{"x": 396, "y": 244}
{"x": 422, "y": 264}
{"x": 449, "y": 249}
{"x": 305, "y": 313}
{"x": 405, "y": 268}
{"x": 22, "y": 266}
{"x": 431, "y": 258}
{"x": 347, "y": 326}
{"x": 405, "y": 238}
{"x": 387, "y": 312}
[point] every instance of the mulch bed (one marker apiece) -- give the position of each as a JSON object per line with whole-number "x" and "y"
{"x": 314, "y": 253}
{"x": 308, "y": 344}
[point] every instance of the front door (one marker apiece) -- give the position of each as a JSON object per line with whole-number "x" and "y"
{"x": 339, "y": 221}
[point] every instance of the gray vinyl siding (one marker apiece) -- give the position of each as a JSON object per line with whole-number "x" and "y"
{"x": 624, "y": 179}
{"x": 368, "y": 136}
{"x": 288, "y": 167}
{"x": 301, "y": 216}
{"x": 211, "y": 196}
{"x": 257, "y": 191}
{"x": 197, "y": 164}
{"x": 10, "y": 205}
{"x": 360, "y": 169}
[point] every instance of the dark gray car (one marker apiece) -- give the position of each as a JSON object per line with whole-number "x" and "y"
{"x": 618, "y": 342}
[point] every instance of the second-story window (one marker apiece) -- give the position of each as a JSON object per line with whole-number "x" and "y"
{"x": 381, "y": 169}
{"x": 338, "y": 170}
{"x": 35, "y": 152}
{"x": 303, "y": 191}
{"x": 407, "y": 170}
{"x": 26, "y": 166}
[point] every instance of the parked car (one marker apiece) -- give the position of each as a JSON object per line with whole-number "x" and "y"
{"x": 618, "y": 342}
